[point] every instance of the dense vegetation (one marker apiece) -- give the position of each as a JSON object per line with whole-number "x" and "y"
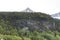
{"x": 14, "y": 26}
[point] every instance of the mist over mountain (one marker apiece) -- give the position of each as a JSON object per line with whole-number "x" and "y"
{"x": 56, "y": 15}
{"x": 27, "y": 10}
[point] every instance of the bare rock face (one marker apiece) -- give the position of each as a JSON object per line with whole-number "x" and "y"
{"x": 36, "y": 25}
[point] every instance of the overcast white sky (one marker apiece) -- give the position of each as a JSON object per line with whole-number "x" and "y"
{"x": 46, "y": 6}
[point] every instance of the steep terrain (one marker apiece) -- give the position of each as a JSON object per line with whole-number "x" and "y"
{"x": 28, "y": 26}
{"x": 31, "y": 21}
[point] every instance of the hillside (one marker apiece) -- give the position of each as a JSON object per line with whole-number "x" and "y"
{"x": 24, "y": 24}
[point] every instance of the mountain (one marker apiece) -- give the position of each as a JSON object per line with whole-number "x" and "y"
{"x": 57, "y": 15}
{"x": 28, "y": 26}
{"x": 31, "y": 21}
{"x": 27, "y": 10}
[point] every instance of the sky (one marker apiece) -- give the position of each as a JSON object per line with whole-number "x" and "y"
{"x": 45, "y": 6}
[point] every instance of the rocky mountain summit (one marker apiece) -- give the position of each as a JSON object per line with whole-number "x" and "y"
{"x": 27, "y": 10}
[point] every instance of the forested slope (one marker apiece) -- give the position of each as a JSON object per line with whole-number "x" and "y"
{"x": 28, "y": 26}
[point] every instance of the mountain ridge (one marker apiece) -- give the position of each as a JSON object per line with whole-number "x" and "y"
{"x": 28, "y": 26}
{"x": 26, "y": 19}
